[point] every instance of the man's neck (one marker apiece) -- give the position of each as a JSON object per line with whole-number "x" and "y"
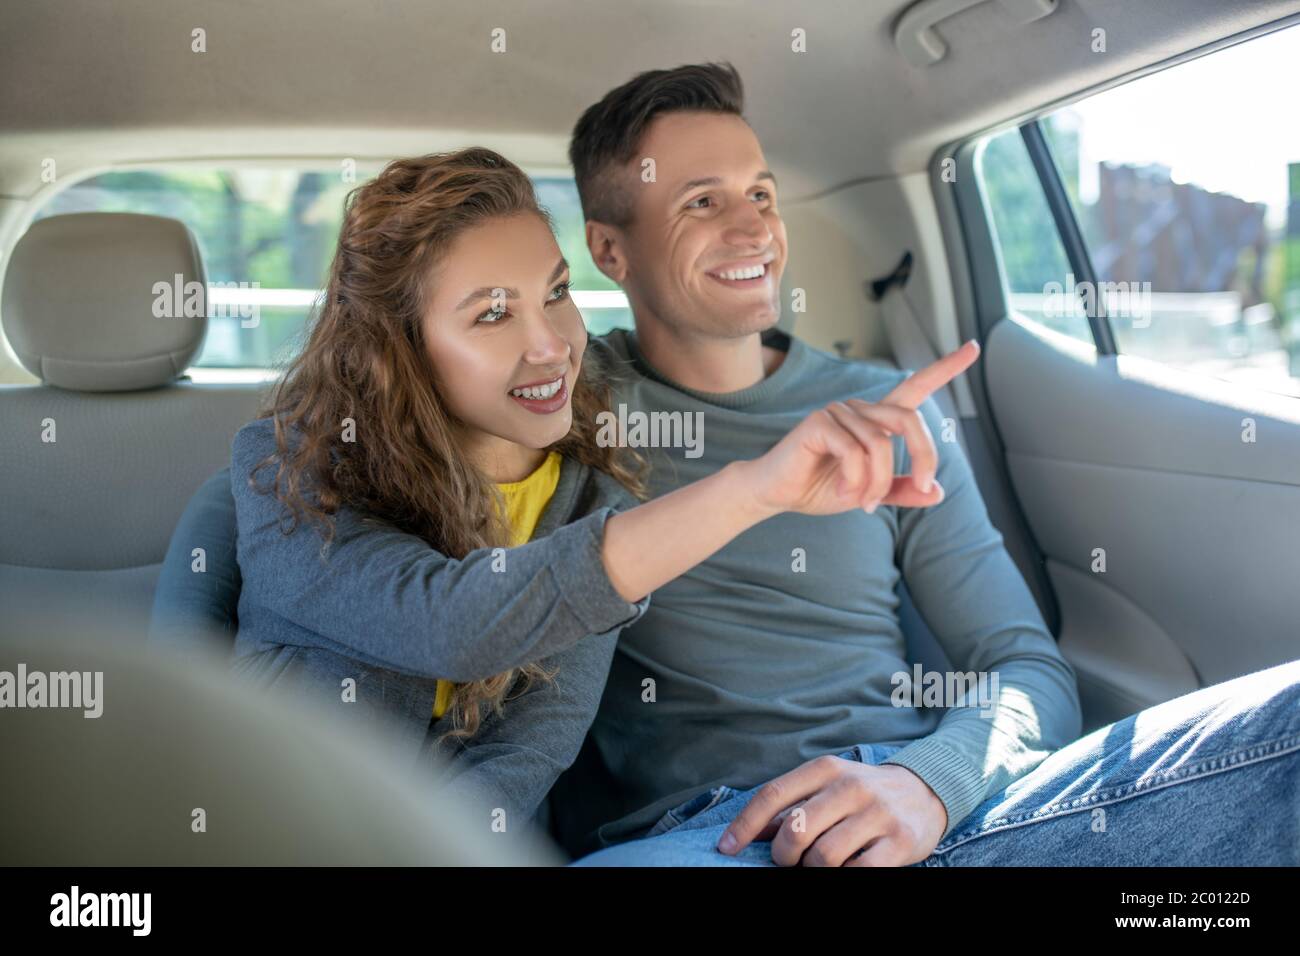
{"x": 708, "y": 364}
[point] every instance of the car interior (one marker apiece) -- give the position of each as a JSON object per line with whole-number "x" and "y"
{"x": 1139, "y": 455}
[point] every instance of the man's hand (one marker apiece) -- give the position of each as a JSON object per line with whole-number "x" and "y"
{"x": 835, "y": 807}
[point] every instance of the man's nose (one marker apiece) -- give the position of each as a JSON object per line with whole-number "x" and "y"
{"x": 746, "y": 226}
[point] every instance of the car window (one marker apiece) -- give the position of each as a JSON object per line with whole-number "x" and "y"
{"x": 1186, "y": 188}
{"x": 1036, "y": 273}
{"x": 268, "y": 234}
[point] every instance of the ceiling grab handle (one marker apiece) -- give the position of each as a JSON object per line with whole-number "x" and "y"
{"x": 920, "y": 45}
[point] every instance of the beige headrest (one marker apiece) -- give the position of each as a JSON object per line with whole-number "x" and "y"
{"x": 83, "y": 308}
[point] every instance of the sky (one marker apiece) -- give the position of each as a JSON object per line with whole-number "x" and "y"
{"x": 1228, "y": 122}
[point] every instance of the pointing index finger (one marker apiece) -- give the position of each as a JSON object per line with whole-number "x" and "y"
{"x": 917, "y": 387}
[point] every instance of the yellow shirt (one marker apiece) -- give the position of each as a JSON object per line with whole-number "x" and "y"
{"x": 525, "y": 501}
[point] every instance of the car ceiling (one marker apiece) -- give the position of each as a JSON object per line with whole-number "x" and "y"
{"x": 98, "y": 82}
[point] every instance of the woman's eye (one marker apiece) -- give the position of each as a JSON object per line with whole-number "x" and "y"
{"x": 562, "y": 289}
{"x": 492, "y": 315}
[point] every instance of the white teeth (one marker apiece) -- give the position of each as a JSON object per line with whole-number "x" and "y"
{"x": 752, "y": 272}
{"x": 539, "y": 391}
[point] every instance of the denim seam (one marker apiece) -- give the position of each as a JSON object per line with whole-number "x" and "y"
{"x": 722, "y": 793}
{"x": 676, "y": 822}
{"x": 1281, "y": 745}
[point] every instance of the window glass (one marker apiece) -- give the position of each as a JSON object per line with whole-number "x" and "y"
{"x": 1035, "y": 270}
{"x": 267, "y": 237}
{"x": 1186, "y": 185}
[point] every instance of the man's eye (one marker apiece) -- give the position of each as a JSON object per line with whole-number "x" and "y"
{"x": 764, "y": 193}
{"x": 562, "y": 289}
{"x": 691, "y": 204}
{"x": 492, "y": 316}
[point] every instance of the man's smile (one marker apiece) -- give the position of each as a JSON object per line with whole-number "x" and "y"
{"x": 743, "y": 273}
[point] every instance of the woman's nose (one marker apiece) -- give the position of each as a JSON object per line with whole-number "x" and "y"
{"x": 546, "y": 346}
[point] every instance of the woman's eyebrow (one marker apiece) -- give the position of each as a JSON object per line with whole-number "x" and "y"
{"x": 489, "y": 291}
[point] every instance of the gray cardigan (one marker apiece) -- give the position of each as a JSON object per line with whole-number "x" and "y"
{"x": 384, "y": 608}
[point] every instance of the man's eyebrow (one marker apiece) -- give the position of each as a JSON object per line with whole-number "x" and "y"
{"x": 714, "y": 181}
{"x": 487, "y": 291}
{"x": 695, "y": 184}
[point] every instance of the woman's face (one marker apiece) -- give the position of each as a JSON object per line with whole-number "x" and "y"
{"x": 506, "y": 342}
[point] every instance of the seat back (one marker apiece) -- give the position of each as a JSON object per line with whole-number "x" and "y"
{"x": 103, "y": 454}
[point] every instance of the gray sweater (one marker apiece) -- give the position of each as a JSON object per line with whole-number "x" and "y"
{"x": 783, "y": 646}
{"x": 384, "y": 608}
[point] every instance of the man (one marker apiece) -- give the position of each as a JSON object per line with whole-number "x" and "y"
{"x": 752, "y": 714}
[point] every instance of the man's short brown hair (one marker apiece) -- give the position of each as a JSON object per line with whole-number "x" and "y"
{"x": 607, "y": 135}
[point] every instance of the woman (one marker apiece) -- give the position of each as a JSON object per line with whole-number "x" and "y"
{"x": 427, "y": 526}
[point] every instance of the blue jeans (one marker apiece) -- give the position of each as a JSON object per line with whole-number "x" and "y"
{"x": 1211, "y": 778}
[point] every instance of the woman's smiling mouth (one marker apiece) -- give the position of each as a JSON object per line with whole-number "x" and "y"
{"x": 542, "y": 398}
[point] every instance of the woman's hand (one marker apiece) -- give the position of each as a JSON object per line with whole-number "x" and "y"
{"x": 842, "y": 456}
{"x": 838, "y": 458}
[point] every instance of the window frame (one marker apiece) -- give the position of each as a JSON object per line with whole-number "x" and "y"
{"x": 973, "y": 214}
{"x": 222, "y": 374}
{"x": 1068, "y": 231}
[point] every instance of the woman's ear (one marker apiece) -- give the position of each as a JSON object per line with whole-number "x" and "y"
{"x": 605, "y": 243}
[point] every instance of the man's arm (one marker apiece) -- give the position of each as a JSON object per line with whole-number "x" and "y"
{"x": 835, "y": 812}
{"x": 976, "y": 602}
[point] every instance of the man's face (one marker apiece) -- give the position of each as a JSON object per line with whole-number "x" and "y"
{"x": 706, "y": 247}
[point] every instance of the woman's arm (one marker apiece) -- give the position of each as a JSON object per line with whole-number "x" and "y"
{"x": 394, "y": 601}
{"x": 647, "y": 546}
{"x": 513, "y": 761}
{"x": 837, "y": 459}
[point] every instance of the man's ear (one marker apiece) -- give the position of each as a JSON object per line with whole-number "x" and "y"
{"x": 605, "y": 243}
